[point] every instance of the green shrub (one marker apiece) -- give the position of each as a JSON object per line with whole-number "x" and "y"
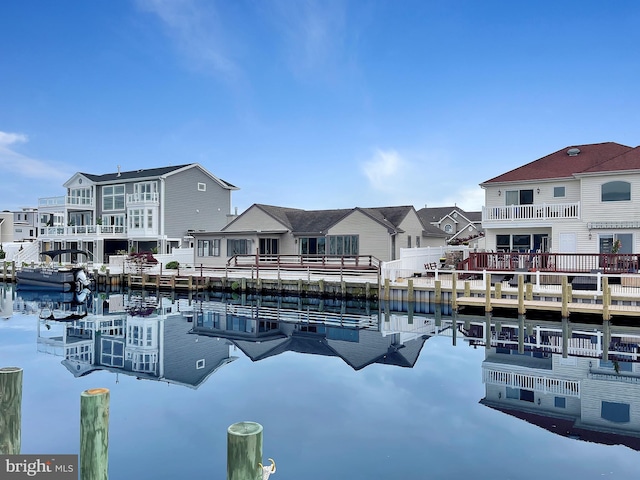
{"x": 173, "y": 265}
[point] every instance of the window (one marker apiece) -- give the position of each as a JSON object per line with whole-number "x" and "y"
{"x": 408, "y": 241}
{"x": 448, "y": 228}
{"x": 209, "y": 248}
{"x": 503, "y": 243}
{"x": 522, "y": 243}
{"x": 343, "y": 244}
{"x": 237, "y": 247}
{"x": 625, "y": 242}
{"x": 560, "y": 402}
{"x": 200, "y": 364}
{"x": 113, "y": 197}
{"x": 145, "y": 192}
{"x": 312, "y": 246}
{"x": 202, "y": 187}
{"x": 417, "y": 241}
{"x": 518, "y": 197}
{"x": 80, "y": 196}
{"x": 559, "y": 192}
{"x": 615, "y": 412}
{"x": 268, "y": 246}
{"x": 617, "y": 191}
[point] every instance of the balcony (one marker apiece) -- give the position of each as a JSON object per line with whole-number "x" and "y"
{"x": 111, "y": 231}
{"x": 542, "y": 212}
{"x": 79, "y": 202}
{"x": 144, "y": 198}
{"x": 537, "y": 383}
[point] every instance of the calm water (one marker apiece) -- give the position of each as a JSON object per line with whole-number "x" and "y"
{"x": 385, "y": 395}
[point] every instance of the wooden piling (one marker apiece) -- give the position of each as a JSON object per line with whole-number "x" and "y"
{"x": 10, "y": 410}
{"x": 487, "y": 330}
{"x": 244, "y": 451}
{"x": 606, "y": 299}
{"x": 521, "y": 308}
{"x": 565, "y": 299}
{"x": 454, "y": 293}
{"x": 487, "y": 294}
{"x": 521, "y": 334}
{"x": 410, "y": 294}
{"x": 438, "y": 294}
{"x": 497, "y": 290}
{"x": 94, "y": 434}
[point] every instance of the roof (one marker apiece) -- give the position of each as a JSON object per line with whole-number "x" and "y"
{"x": 431, "y": 215}
{"x": 629, "y": 160}
{"x": 561, "y": 164}
{"x": 146, "y": 173}
{"x": 319, "y": 221}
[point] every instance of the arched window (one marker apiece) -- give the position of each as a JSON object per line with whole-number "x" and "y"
{"x": 617, "y": 191}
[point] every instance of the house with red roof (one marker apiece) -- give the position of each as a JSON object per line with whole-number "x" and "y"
{"x": 580, "y": 199}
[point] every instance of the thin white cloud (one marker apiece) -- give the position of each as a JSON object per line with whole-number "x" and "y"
{"x": 314, "y": 33}
{"x": 24, "y": 166}
{"x": 196, "y": 28}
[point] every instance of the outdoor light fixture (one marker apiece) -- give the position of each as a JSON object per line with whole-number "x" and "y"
{"x": 539, "y": 400}
{"x": 499, "y": 192}
{"x": 538, "y": 190}
{"x": 589, "y": 235}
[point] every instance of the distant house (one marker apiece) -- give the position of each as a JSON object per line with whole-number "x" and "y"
{"x": 580, "y": 199}
{"x": 459, "y": 225}
{"x": 25, "y": 225}
{"x": 271, "y": 230}
{"x": 6, "y": 227}
{"x": 154, "y": 209}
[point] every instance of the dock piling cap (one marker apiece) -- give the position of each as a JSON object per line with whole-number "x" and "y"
{"x": 245, "y": 428}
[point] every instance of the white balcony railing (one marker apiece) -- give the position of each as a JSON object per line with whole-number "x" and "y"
{"x": 51, "y": 202}
{"x": 557, "y": 386}
{"x": 535, "y": 212}
{"x": 80, "y": 202}
{"x": 84, "y": 230}
{"x": 145, "y": 197}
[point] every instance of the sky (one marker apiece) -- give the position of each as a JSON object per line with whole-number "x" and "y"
{"x": 311, "y": 104}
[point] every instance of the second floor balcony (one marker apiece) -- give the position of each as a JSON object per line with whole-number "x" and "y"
{"x": 143, "y": 198}
{"x": 541, "y": 212}
{"x": 119, "y": 231}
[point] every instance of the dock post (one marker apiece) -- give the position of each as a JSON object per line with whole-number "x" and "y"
{"x": 565, "y": 299}
{"x": 410, "y": 310}
{"x": 454, "y": 293}
{"x": 487, "y": 330}
{"x": 454, "y": 328}
{"x": 521, "y": 334}
{"x": 467, "y": 289}
{"x": 606, "y": 299}
{"x": 438, "y": 298}
{"x": 10, "y": 410}
{"x": 367, "y": 291}
{"x": 244, "y": 451}
{"x": 487, "y": 293}
{"x": 94, "y": 434}
{"x": 521, "y": 307}
{"x": 606, "y": 339}
{"x": 565, "y": 337}
{"x": 386, "y": 290}
{"x": 497, "y": 290}
{"x": 410, "y": 296}
{"x": 529, "y": 292}
{"x": 321, "y": 286}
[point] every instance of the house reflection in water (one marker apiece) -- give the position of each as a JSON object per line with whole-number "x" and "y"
{"x": 151, "y": 344}
{"x": 554, "y": 376}
{"x": 265, "y": 331}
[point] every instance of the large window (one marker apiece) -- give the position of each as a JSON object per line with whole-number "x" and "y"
{"x": 80, "y": 196}
{"x": 209, "y": 248}
{"x": 617, "y": 191}
{"x": 237, "y": 247}
{"x": 312, "y": 246}
{"x": 615, "y": 412}
{"x": 518, "y": 197}
{"x": 343, "y": 245}
{"x": 559, "y": 192}
{"x": 146, "y": 191}
{"x": 113, "y": 197}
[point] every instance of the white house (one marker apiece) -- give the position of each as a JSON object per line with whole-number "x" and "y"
{"x": 579, "y": 199}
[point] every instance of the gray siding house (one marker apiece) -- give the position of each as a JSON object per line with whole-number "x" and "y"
{"x": 270, "y": 230}
{"x": 154, "y": 209}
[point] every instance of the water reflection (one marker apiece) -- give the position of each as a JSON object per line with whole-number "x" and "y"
{"x": 576, "y": 379}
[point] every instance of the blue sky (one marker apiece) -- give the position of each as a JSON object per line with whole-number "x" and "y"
{"x": 311, "y": 104}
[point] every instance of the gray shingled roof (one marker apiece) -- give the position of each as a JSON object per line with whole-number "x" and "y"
{"x": 319, "y": 221}
{"x": 430, "y": 215}
{"x": 142, "y": 173}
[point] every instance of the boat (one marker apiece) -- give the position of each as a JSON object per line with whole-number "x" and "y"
{"x": 65, "y": 278}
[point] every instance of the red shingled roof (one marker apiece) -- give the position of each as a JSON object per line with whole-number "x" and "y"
{"x": 592, "y": 158}
{"x": 627, "y": 161}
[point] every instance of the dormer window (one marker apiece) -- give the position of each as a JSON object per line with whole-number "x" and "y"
{"x": 448, "y": 228}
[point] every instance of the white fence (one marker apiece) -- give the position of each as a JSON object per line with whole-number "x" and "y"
{"x": 413, "y": 260}
{"x": 184, "y": 256}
